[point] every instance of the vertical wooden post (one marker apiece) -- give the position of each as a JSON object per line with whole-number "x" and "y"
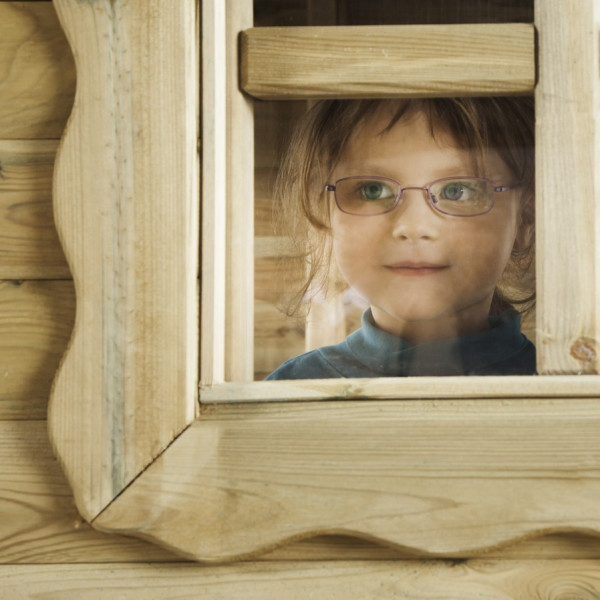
{"x": 227, "y": 199}
{"x": 214, "y": 191}
{"x": 239, "y": 318}
{"x": 568, "y": 186}
{"x": 126, "y": 208}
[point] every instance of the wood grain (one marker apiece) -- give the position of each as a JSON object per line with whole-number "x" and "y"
{"x": 387, "y": 61}
{"x": 37, "y": 72}
{"x": 239, "y": 323}
{"x": 40, "y": 523}
{"x": 213, "y": 312}
{"x": 36, "y": 318}
{"x": 568, "y": 186}
{"x": 340, "y": 580}
{"x": 126, "y": 206}
{"x": 437, "y": 479}
{"x": 29, "y": 246}
{"x": 441, "y": 479}
{"x": 391, "y": 388}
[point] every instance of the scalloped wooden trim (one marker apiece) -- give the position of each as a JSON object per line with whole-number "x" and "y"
{"x": 126, "y": 208}
{"x": 444, "y": 479}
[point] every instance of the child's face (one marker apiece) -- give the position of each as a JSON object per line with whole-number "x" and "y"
{"x": 426, "y": 275}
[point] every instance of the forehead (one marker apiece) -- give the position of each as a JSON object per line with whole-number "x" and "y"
{"x": 412, "y": 144}
{"x": 382, "y": 128}
{"x": 412, "y": 136}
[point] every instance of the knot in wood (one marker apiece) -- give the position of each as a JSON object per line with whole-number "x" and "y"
{"x": 584, "y": 350}
{"x": 584, "y": 595}
{"x": 585, "y": 589}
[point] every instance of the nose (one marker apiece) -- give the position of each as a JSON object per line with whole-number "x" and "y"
{"x": 414, "y": 218}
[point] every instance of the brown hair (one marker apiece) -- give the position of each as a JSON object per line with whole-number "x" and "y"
{"x": 504, "y": 124}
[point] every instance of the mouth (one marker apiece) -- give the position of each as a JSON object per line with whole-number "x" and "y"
{"x": 416, "y": 269}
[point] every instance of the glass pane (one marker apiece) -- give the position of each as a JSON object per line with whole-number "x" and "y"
{"x": 338, "y": 311}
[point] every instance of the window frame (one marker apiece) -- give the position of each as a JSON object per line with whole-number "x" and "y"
{"x": 145, "y": 458}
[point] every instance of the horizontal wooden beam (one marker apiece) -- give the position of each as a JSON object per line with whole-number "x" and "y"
{"x": 436, "y": 479}
{"x": 339, "y": 580}
{"x": 29, "y": 244}
{"x": 388, "y": 61}
{"x": 395, "y": 388}
{"x": 36, "y": 491}
{"x": 37, "y": 72}
{"x": 36, "y": 318}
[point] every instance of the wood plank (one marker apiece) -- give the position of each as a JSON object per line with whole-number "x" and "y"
{"x": 40, "y": 523}
{"x": 390, "y": 388}
{"x": 128, "y": 384}
{"x": 388, "y": 61}
{"x": 29, "y": 245}
{"x": 239, "y": 321}
{"x": 214, "y": 191}
{"x": 559, "y": 546}
{"x": 341, "y": 580}
{"x": 37, "y": 72}
{"x": 438, "y": 479}
{"x": 36, "y": 318}
{"x": 568, "y": 186}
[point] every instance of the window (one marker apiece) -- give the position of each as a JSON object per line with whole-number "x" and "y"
{"x": 278, "y": 270}
{"x": 429, "y": 465}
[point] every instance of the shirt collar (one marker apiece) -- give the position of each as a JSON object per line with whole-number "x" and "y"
{"x": 390, "y": 355}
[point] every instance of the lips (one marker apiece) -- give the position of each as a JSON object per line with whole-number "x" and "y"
{"x": 416, "y": 268}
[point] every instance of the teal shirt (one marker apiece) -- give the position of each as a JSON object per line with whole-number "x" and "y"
{"x": 371, "y": 352}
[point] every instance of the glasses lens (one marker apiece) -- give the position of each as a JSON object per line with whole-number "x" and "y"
{"x": 462, "y": 197}
{"x": 362, "y": 196}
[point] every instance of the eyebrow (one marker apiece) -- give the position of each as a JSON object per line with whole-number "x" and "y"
{"x": 377, "y": 170}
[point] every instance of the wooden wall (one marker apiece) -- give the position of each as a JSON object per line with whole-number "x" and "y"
{"x": 46, "y": 550}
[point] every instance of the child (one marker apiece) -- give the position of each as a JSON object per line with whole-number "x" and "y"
{"x": 427, "y": 209}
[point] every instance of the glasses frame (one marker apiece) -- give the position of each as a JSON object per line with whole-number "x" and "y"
{"x": 426, "y": 188}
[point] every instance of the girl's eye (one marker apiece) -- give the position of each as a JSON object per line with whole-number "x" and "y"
{"x": 375, "y": 190}
{"x": 455, "y": 191}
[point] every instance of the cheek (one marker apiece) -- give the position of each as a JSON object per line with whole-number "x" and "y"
{"x": 492, "y": 249}
{"x": 346, "y": 251}
{"x": 354, "y": 251}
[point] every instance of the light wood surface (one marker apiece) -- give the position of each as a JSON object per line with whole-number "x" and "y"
{"x": 227, "y": 196}
{"x": 239, "y": 324}
{"x": 37, "y": 73}
{"x": 341, "y": 580}
{"x": 38, "y": 520}
{"x": 126, "y": 207}
{"x": 437, "y": 479}
{"x": 36, "y": 318}
{"x": 388, "y": 61}
{"x": 568, "y": 186}
{"x": 40, "y": 523}
{"x": 29, "y": 246}
{"x": 390, "y": 388}
{"x": 213, "y": 313}
{"x": 424, "y": 477}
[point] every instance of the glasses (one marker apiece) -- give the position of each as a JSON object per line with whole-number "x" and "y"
{"x": 457, "y": 196}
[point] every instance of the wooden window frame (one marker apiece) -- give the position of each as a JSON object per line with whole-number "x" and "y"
{"x": 432, "y": 465}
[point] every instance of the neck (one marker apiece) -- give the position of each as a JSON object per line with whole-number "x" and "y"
{"x": 468, "y": 322}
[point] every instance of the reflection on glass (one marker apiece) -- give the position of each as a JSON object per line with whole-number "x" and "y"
{"x": 426, "y": 209}
{"x": 361, "y": 183}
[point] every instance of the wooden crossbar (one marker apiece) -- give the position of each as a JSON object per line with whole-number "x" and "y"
{"x": 296, "y": 63}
